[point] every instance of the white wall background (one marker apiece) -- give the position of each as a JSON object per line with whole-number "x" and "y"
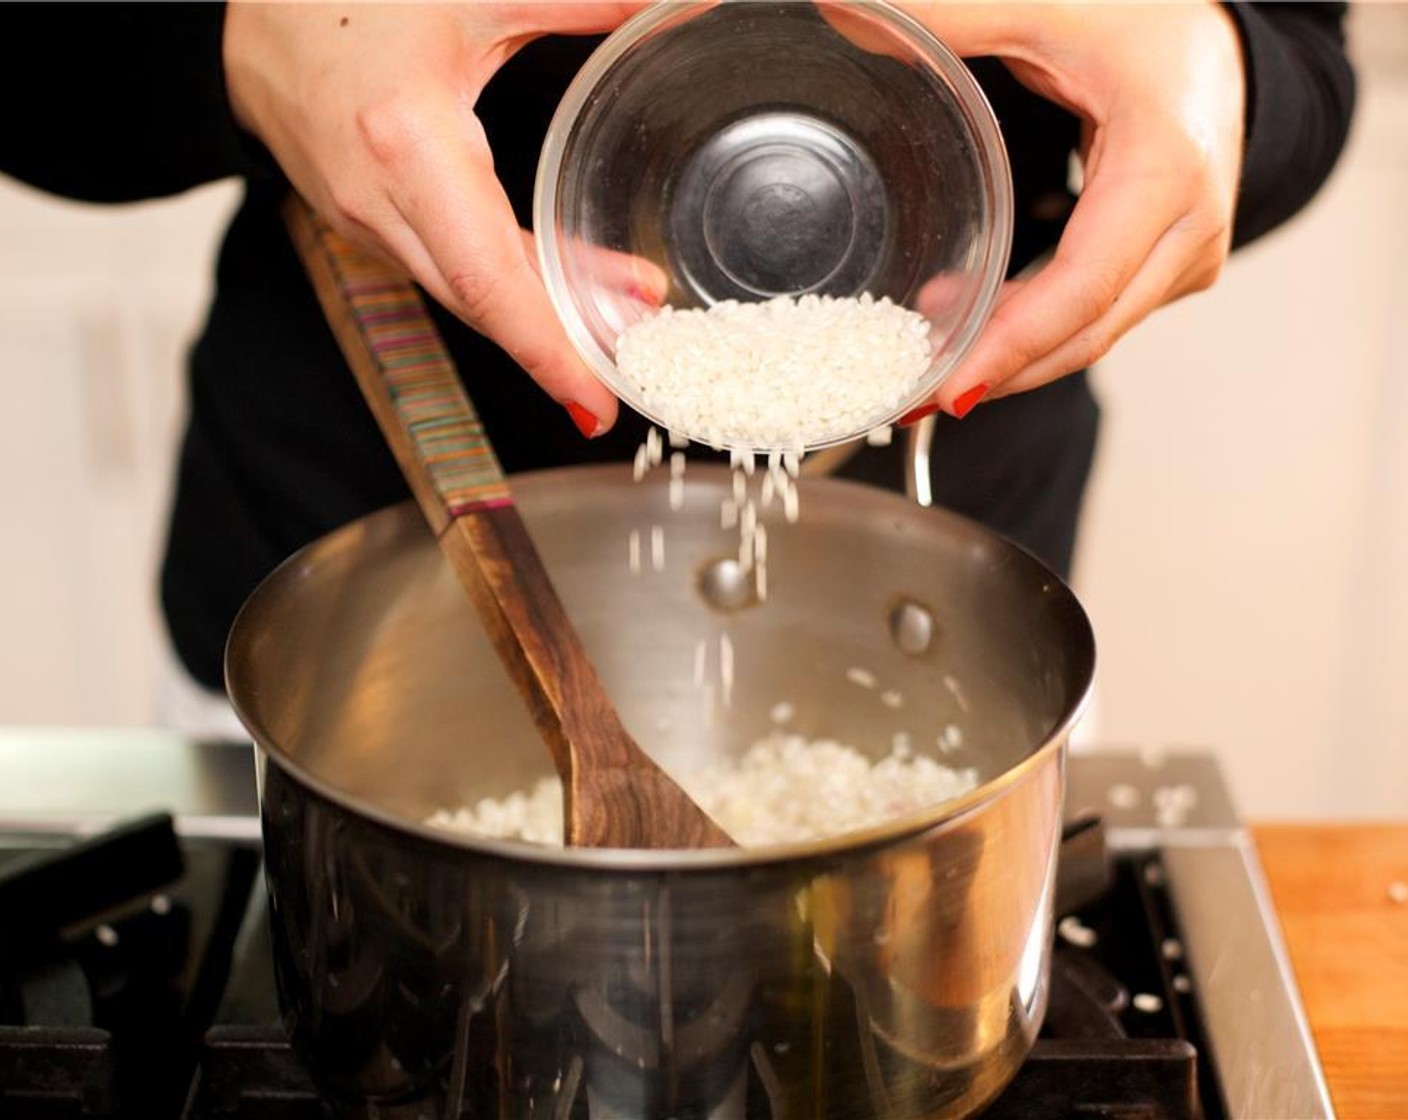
{"x": 1245, "y": 555}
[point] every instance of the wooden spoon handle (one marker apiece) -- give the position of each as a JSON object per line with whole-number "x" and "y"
{"x": 400, "y": 363}
{"x": 615, "y": 795}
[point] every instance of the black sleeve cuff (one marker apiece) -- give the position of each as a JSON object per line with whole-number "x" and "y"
{"x": 1300, "y": 101}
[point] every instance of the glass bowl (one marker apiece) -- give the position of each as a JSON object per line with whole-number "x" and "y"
{"x": 745, "y": 150}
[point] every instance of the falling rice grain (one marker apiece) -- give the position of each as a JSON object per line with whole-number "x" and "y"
{"x": 790, "y": 507}
{"x": 892, "y": 698}
{"x": 726, "y": 668}
{"x": 862, "y": 677}
{"x": 657, "y": 548}
{"x": 676, "y": 493}
{"x": 701, "y": 661}
{"x": 951, "y": 683}
{"x": 1075, "y": 932}
{"x": 634, "y": 550}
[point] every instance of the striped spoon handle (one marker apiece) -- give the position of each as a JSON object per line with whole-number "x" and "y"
{"x": 400, "y": 362}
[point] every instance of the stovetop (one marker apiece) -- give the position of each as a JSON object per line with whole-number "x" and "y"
{"x": 136, "y": 977}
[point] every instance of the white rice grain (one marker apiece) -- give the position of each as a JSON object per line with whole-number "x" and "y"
{"x": 791, "y": 504}
{"x": 726, "y": 669}
{"x": 862, "y": 677}
{"x": 657, "y": 548}
{"x": 634, "y": 552}
{"x": 956, "y": 691}
{"x": 767, "y": 490}
{"x": 701, "y": 661}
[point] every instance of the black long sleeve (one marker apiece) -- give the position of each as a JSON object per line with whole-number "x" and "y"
{"x": 118, "y": 102}
{"x": 1300, "y": 101}
{"x": 114, "y": 102}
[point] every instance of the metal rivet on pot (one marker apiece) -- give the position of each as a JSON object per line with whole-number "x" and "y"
{"x": 726, "y": 586}
{"x": 912, "y": 627}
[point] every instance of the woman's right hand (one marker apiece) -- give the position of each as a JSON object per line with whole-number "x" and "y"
{"x": 370, "y": 111}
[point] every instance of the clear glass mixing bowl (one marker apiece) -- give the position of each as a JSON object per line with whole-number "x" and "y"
{"x": 748, "y": 150}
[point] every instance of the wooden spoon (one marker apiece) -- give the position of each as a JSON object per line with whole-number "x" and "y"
{"x": 615, "y": 796}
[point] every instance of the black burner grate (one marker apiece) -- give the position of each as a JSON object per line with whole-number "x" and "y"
{"x": 113, "y": 955}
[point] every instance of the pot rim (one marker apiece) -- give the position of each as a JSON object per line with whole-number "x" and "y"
{"x": 653, "y": 860}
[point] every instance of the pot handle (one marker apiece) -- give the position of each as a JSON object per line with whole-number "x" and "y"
{"x": 918, "y": 441}
{"x": 919, "y": 438}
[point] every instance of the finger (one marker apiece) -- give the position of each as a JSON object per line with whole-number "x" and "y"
{"x": 1178, "y": 265}
{"x": 1114, "y": 227}
{"x": 444, "y": 187}
{"x": 572, "y": 18}
{"x": 626, "y": 273}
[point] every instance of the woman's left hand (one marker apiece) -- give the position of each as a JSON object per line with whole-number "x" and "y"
{"x": 1161, "y": 93}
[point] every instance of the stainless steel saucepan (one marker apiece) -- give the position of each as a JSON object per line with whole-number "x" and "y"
{"x": 895, "y": 973}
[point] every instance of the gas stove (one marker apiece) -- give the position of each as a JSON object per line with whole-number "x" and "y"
{"x": 137, "y": 981}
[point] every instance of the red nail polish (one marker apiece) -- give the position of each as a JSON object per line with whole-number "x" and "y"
{"x": 645, "y": 295}
{"x": 968, "y": 400}
{"x": 914, "y": 415}
{"x": 586, "y": 422}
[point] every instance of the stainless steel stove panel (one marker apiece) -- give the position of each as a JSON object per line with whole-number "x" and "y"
{"x": 1261, "y": 1042}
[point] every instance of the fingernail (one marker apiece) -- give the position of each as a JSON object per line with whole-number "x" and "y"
{"x": 967, "y": 401}
{"x": 586, "y": 421}
{"x": 914, "y": 415}
{"x": 645, "y": 295}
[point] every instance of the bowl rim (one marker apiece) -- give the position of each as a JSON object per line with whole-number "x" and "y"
{"x": 990, "y": 153}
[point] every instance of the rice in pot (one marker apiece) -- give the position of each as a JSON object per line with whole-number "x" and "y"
{"x": 785, "y": 789}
